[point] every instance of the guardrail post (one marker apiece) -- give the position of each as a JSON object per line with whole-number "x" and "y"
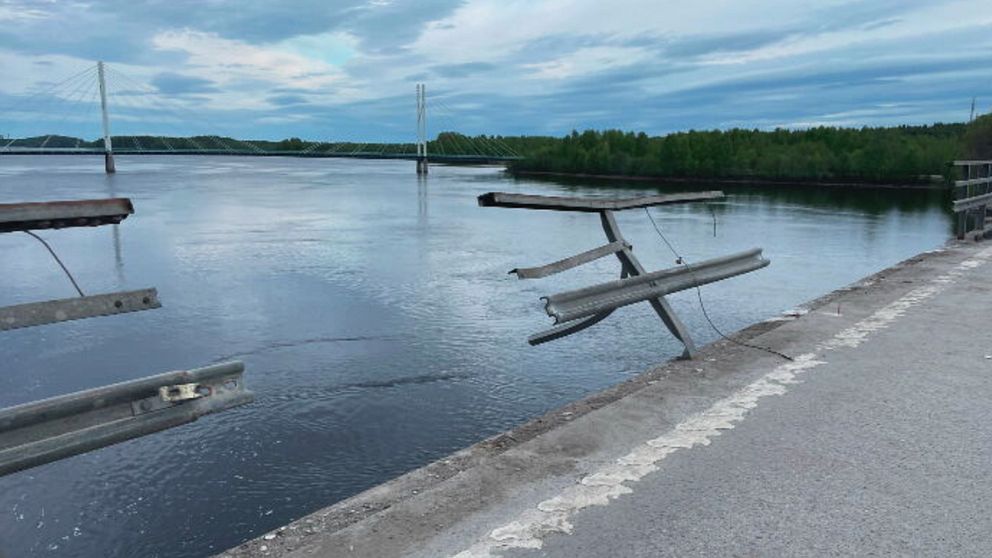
{"x": 633, "y": 268}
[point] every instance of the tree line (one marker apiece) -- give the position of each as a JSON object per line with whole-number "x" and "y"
{"x": 869, "y": 154}
{"x": 903, "y": 153}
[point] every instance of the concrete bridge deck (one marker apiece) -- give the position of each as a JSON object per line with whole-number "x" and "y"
{"x": 876, "y": 439}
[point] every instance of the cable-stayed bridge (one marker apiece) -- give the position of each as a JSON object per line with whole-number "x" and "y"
{"x": 100, "y": 93}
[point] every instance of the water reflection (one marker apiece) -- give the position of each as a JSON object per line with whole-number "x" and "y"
{"x": 423, "y": 202}
{"x": 116, "y": 235}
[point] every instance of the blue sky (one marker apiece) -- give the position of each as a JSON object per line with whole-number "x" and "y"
{"x": 346, "y": 69}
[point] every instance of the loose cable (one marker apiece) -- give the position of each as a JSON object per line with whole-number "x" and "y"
{"x": 699, "y": 294}
{"x": 62, "y": 265}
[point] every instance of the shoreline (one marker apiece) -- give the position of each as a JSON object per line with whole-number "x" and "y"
{"x": 727, "y": 181}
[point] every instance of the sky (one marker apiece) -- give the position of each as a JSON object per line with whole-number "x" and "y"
{"x": 347, "y": 69}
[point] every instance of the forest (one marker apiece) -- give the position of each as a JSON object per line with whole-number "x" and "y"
{"x": 897, "y": 154}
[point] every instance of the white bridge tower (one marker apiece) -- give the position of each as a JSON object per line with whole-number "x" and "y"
{"x": 108, "y": 150}
{"x": 421, "y": 129}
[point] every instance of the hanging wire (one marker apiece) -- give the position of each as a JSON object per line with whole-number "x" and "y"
{"x": 45, "y": 94}
{"x": 62, "y": 265}
{"x": 442, "y": 113}
{"x": 133, "y": 103}
{"x": 490, "y": 146}
{"x": 182, "y": 114}
{"x": 699, "y": 294}
{"x": 73, "y": 101}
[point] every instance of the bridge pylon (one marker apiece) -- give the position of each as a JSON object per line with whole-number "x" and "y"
{"x": 421, "y": 129}
{"x": 108, "y": 150}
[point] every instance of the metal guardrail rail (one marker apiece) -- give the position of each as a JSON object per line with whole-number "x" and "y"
{"x": 577, "y": 310}
{"x": 61, "y": 214}
{"x": 62, "y": 310}
{"x": 973, "y": 198}
{"x": 592, "y": 300}
{"x": 592, "y": 205}
{"x": 44, "y": 431}
{"x": 52, "y": 429}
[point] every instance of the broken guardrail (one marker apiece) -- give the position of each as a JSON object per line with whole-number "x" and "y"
{"x": 61, "y": 310}
{"x": 44, "y": 431}
{"x": 52, "y": 429}
{"x": 973, "y": 198}
{"x": 577, "y": 310}
{"x": 26, "y": 217}
{"x": 61, "y": 214}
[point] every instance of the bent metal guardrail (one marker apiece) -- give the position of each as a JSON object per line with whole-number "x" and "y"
{"x": 589, "y": 301}
{"x": 973, "y": 198}
{"x": 577, "y": 310}
{"x": 44, "y": 431}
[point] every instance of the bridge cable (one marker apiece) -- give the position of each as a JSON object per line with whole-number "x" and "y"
{"x": 91, "y": 104}
{"x": 73, "y": 99}
{"x": 130, "y": 101}
{"x": 447, "y": 123}
{"x": 47, "y": 93}
{"x": 48, "y": 96}
{"x": 184, "y": 114}
{"x": 174, "y": 113}
{"x": 491, "y": 147}
{"x": 121, "y": 99}
{"x": 699, "y": 294}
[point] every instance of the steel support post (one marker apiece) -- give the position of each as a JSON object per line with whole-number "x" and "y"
{"x": 634, "y": 268}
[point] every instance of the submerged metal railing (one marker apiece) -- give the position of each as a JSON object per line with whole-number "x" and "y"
{"x": 577, "y": 310}
{"x": 44, "y": 431}
{"x": 973, "y": 198}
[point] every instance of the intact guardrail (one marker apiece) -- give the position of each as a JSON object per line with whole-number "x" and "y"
{"x": 577, "y": 310}
{"x": 44, "y": 431}
{"x": 973, "y": 198}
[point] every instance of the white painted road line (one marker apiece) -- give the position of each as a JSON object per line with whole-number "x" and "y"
{"x": 553, "y": 515}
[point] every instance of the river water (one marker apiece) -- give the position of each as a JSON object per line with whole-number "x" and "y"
{"x": 375, "y": 315}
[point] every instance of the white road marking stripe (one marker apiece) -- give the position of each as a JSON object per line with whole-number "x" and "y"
{"x": 609, "y": 482}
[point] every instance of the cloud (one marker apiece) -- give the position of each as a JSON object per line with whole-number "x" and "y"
{"x": 12, "y": 11}
{"x": 228, "y": 60}
{"x": 287, "y": 100}
{"x": 178, "y": 84}
{"x": 587, "y": 61}
{"x": 503, "y": 66}
{"x": 461, "y": 70}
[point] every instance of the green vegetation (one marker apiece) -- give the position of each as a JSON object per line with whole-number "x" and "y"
{"x": 903, "y": 154}
{"x": 978, "y": 139}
